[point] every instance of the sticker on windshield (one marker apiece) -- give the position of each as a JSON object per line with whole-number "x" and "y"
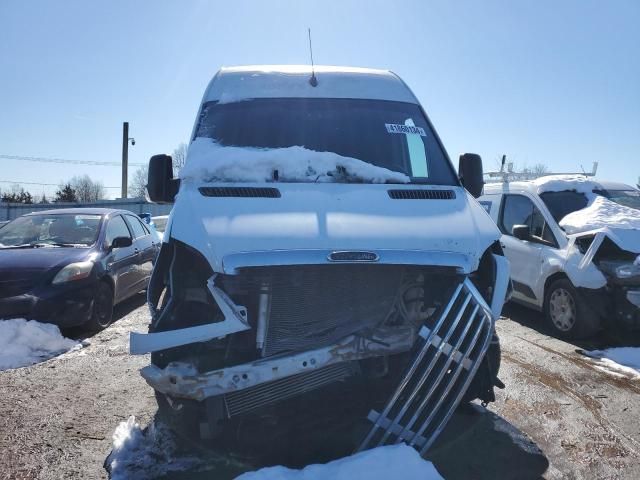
{"x": 395, "y": 128}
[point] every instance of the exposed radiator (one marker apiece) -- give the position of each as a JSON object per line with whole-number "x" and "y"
{"x": 251, "y": 398}
{"x": 443, "y": 367}
{"x": 312, "y": 306}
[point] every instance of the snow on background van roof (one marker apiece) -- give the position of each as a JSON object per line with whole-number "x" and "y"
{"x": 286, "y": 81}
{"x": 560, "y": 183}
{"x": 209, "y": 161}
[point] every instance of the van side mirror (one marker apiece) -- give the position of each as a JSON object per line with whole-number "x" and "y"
{"x": 521, "y": 232}
{"x": 121, "y": 242}
{"x": 161, "y": 186}
{"x": 470, "y": 173}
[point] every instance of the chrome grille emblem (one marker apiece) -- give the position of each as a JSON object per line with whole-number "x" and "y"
{"x": 353, "y": 256}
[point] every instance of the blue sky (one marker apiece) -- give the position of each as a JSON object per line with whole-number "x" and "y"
{"x": 556, "y": 82}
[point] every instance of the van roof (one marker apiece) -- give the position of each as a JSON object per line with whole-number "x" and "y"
{"x": 233, "y": 84}
{"x": 542, "y": 183}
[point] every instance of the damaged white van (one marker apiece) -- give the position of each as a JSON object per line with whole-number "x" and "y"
{"x": 321, "y": 251}
{"x": 574, "y": 248}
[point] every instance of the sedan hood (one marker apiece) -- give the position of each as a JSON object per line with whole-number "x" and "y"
{"x": 22, "y": 263}
{"x": 442, "y": 222}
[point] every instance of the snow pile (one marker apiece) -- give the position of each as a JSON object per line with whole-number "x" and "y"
{"x": 601, "y": 212}
{"x": 623, "y": 359}
{"x": 25, "y": 342}
{"x": 208, "y": 161}
{"x": 144, "y": 454}
{"x": 561, "y": 183}
{"x": 382, "y": 463}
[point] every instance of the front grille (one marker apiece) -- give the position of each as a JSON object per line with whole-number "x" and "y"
{"x": 244, "y": 401}
{"x": 247, "y": 192}
{"x": 443, "y": 367}
{"x": 422, "y": 194}
{"x": 313, "y": 306}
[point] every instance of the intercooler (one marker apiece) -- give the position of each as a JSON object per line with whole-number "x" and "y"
{"x": 316, "y": 305}
{"x": 244, "y": 401}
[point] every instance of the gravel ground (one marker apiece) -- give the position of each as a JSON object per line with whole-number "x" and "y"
{"x": 561, "y": 415}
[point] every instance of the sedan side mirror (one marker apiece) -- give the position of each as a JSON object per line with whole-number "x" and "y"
{"x": 521, "y": 232}
{"x": 470, "y": 173}
{"x": 121, "y": 242}
{"x": 161, "y": 186}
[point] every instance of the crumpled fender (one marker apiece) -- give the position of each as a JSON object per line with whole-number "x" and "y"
{"x": 580, "y": 267}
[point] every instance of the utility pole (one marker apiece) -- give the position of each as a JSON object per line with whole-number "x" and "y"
{"x": 125, "y": 158}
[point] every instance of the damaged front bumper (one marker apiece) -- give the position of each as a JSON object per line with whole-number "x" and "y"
{"x": 183, "y": 381}
{"x": 443, "y": 351}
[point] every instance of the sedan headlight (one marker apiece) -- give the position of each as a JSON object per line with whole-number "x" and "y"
{"x": 73, "y": 271}
{"x": 628, "y": 271}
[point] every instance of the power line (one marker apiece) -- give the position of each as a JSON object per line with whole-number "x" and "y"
{"x": 39, "y": 184}
{"x": 64, "y": 160}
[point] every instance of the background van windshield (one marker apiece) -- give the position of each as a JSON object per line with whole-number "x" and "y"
{"x": 628, "y": 198}
{"x": 561, "y": 204}
{"x": 54, "y": 229}
{"x": 350, "y": 127}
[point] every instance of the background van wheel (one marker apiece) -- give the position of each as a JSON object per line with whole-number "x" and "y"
{"x": 102, "y": 314}
{"x": 567, "y": 313}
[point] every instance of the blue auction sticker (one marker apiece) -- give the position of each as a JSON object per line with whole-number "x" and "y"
{"x": 395, "y": 128}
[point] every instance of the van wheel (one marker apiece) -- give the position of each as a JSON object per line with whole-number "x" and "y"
{"x": 102, "y": 314}
{"x": 567, "y": 313}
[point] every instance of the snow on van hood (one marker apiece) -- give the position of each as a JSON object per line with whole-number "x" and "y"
{"x": 599, "y": 213}
{"x": 211, "y": 162}
{"x": 329, "y": 217}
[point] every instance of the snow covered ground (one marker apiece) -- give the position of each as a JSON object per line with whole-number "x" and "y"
{"x": 620, "y": 359}
{"x": 150, "y": 453}
{"x": 382, "y": 463}
{"x": 145, "y": 454}
{"x": 25, "y": 342}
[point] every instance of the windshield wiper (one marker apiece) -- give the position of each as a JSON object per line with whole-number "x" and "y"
{"x": 43, "y": 245}
{"x": 24, "y": 245}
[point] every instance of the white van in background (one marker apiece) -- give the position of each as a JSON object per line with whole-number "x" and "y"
{"x": 573, "y": 244}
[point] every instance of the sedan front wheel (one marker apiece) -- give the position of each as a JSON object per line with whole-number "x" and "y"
{"x": 102, "y": 314}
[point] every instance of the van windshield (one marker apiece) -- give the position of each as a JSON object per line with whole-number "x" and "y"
{"x": 628, "y": 198}
{"x": 387, "y": 134}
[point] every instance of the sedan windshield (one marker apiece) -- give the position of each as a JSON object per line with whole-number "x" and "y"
{"x": 392, "y": 135}
{"x": 51, "y": 230}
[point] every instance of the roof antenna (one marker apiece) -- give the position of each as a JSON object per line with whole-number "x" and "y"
{"x": 313, "y": 80}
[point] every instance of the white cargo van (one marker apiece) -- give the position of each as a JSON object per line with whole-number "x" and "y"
{"x": 573, "y": 244}
{"x": 320, "y": 239}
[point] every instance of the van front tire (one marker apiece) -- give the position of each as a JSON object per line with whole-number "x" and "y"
{"x": 566, "y": 312}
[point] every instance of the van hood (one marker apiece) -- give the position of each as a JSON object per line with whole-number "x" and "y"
{"x": 303, "y": 221}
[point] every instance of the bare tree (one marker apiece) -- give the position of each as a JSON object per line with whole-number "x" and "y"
{"x": 86, "y": 189}
{"x": 537, "y": 169}
{"x": 138, "y": 184}
{"x": 179, "y": 157}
